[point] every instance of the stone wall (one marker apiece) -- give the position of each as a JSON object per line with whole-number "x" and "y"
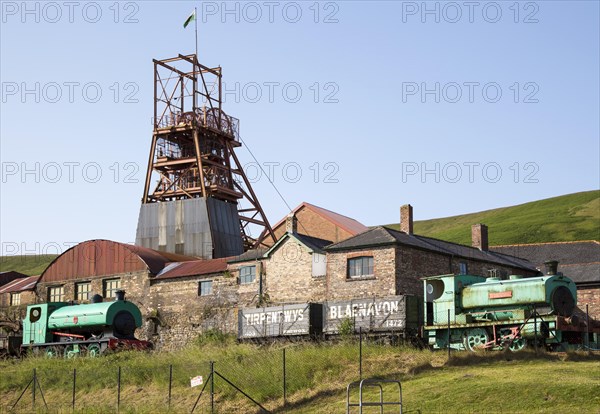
{"x": 179, "y": 315}
{"x": 27, "y": 298}
{"x": 589, "y": 296}
{"x": 288, "y": 275}
{"x": 381, "y": 283}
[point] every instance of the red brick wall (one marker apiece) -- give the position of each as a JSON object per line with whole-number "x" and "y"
{"x": 590, "y": 297}
{"x": 313, "y": 224}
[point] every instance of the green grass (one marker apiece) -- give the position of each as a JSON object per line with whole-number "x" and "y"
{"x": 317, "y": 376}
{"x": 565, "y": 218}
{"x": 29, "y": 265}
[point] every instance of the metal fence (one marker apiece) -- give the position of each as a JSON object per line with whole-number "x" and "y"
{"x": 273, "y": 378}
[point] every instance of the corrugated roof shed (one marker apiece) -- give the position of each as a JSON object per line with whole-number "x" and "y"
{"x": 105, "y": 257}
{"x": 20, "y": 285}
{"x": 193, "y": 268}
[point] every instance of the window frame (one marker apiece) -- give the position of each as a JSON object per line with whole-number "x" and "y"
{"x": 105, "y": 290}
{"x": 205, "y": 282}
{"x": 52, "y": 295}
{"x": 460, "y": 268}
{"x": 351, "y": 268}
{"x": 14, "y": 295}
{"x": 88, "y": 292}
{"x": 243, "y": 277}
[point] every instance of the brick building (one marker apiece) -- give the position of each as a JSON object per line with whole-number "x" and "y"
{"x": 321, "y": 223}
{"x": 382, "y": 261}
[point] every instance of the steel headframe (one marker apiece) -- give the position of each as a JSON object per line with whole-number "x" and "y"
{"x": 193, "y": 144}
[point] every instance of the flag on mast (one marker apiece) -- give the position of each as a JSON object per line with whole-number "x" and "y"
{"x": 190, "y": 19}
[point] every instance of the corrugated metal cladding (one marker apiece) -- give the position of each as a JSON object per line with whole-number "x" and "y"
{"x": 225, "y": 226}
{"x": 104, "y": 257}
{"x": 191, "y": 227}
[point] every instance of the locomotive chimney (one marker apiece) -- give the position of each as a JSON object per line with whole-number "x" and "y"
{"x": 551, "y": 267}
{"x": 119, "y": 295}
{"x": 479, "y": 237}
{"x": 406, "y": 219}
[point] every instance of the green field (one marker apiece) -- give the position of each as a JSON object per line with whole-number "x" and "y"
{"x": 565, "y": 218}
{"x": 316, "y": 380}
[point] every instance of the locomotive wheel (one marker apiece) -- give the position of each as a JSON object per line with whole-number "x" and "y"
{"x": 70, "y": 352}
{"x": 518, "y": 344}
{"x": 51, "y": 352}
{"x": 476, "y": 339}
{"x": 93, "y": 350}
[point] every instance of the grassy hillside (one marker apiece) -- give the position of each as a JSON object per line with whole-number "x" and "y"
{"x": 29, "y": 265}
{"x": 316, "y": 378}
{"x": 565, "y": 218}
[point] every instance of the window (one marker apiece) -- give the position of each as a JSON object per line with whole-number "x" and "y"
{"x": 110, "y": 287}
{"x": 247, "y": 274}
{"x": 56, "y": 294}
{"x": 319, "y": 264}
{"x": 15, "y": 299}
{"x": 83, "y": 291}
{"x": 360, "y": 266}
{"x": 463, "y": 268}
{"x": 205, "y": 288}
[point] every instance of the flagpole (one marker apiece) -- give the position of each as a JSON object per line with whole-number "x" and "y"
{"x": 196, "y": 27}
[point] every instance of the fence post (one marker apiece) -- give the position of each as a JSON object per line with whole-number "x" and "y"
{"x": 212, "y": 387}
{"x": 170, "y": 384}
{"x": 284, "y": 382}
{"x": 33, "y": 389}
{"x": 74, "y": 381}
{"x": 360, "y": 337}
{"x": 448, "y": 333}
{"x": 118, "y": 389}
{"x": 535, "y": 330}
{"x": 587, "y": 327}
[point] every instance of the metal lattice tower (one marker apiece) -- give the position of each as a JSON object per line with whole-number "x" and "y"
{"x": 193, "y": 150}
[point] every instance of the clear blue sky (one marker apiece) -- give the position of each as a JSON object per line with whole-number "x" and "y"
{"x": 370, "y": 133}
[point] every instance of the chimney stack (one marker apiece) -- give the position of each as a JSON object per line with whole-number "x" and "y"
{"x": 479, "y": 237}
{"x": 406, "y": 219}
{"x": 551, "y": 267}
{"x": 291, "y": 223}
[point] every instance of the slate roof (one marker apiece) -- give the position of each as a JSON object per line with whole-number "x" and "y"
{"x": 9, "y": 276}
{"x": 349, "y": 224}
{"x": 578, "y": 260}
{"x": 382, "y": 236}
{"x": 253, "y": 254}
{"x": 564, "y": 252}
{"x": 582, "y": 273}
{"x": 20, "y": 285}
{"x": 313, "y": 243}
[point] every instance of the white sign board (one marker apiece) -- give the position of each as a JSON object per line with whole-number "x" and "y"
{"x": 194, "y": 382}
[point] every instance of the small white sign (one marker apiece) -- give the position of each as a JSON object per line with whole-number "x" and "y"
{"x": 194, "y": 382}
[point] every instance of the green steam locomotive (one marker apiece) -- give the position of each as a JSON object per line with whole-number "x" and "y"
{"x": 466, "y": 312}
{"x": 64, "y": 329}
